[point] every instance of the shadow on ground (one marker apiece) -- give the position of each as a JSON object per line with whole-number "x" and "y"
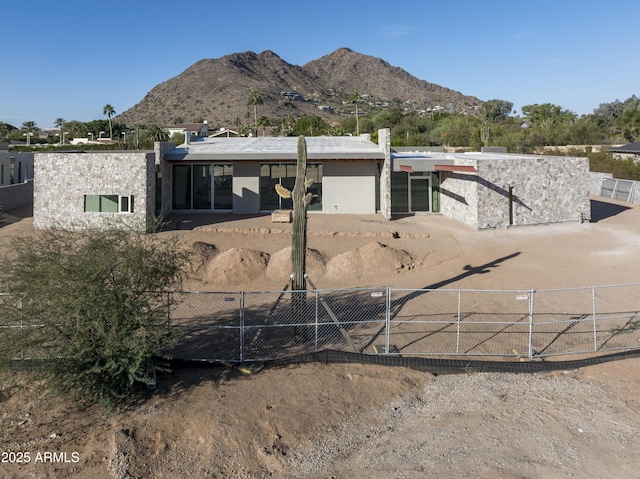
{"x": 601, "y": 210}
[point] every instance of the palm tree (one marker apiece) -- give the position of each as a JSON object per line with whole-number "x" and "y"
{"x": 156, "y": 133}
{"x": 264, "y": 122}
{"x": 255, "y": 99}
{"x": 59, "y": 123}
{"x": 355, "y": 99}
{"x": 29, "y": 126}
{"x": 109, "y": 111}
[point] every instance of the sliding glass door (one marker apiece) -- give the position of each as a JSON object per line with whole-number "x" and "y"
{"x": 202, "y": 187}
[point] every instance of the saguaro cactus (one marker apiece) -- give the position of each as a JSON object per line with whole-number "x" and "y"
{"x": 485, "y": 131}
{"x": 301, "y": 200}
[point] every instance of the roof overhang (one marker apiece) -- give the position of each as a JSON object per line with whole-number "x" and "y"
{"x": 457, "y": 168}
{"x": 271, "y": 156}
{"x": 276, "y": 149}
{"x": 411, "y": 165}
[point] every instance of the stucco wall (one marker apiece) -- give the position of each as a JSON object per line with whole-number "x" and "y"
{"x": 544, "y": 190}
{"x": 349, "y": 187}
{"x": 166, "y": 172}
{"x": 63, "y": 179}
{"x": 246, "y": 188}
{"x": 14, "y": 196}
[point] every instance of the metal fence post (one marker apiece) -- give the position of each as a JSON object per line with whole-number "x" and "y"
{"x": 531, "y": 295}
{"x": 387, "y": 321}
{"x": 242, "y": 326}
{"x": 316, "y": 318}
{"x": 595, "y": 324}
{"x": 22, "y": 325}
{"x": 458, "y": 322}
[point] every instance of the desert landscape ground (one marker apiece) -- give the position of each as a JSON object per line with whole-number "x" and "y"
{"x": 351, "y": 420}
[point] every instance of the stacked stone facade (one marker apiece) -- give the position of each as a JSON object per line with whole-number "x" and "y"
{"x": 63, "y": 179}
{"x": 517, "y": 190}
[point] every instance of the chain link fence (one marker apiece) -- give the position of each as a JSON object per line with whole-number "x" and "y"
{"x": 238, "y": 327}
{"x": 257, "y": 326}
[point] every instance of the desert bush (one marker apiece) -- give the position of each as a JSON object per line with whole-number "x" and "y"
{"x": 92, "y": 306}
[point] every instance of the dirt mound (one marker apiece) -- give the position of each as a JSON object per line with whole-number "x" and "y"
{"x": 279, "y": 267}
{"x": 371, "y": 260}
{"x": 236, "y": 266}
{"x": 203, "y": 252}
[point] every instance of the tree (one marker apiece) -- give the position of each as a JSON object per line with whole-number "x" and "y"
{"x": 550, "y": 121}
{"x": 310, "y": 126}
{"x": 29, "y": 126}
{"x": 156, "y": 133}
{"x": 255, "y": 99}
{"x": 264, "y": 122}
{"x": 289, "y": 123}
{"x": 494, "y": 111}
{"x": 94, "y": 304}
{"x": 59, "y": 124}
{"x": 109, "y": 111}
{"x": 629, "y": 124}
{"x": 356, "y": 99}
{"x": 5, "y": 129}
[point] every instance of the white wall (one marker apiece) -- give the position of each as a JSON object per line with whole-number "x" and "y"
{"x": 349, "y": 187}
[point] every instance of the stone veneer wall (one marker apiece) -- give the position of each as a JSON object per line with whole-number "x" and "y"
{"x": 62, "y": 179}
{"x": 459, "y": 195}
{"x": 545, "y": 190}
{"x": 384, "y": 142}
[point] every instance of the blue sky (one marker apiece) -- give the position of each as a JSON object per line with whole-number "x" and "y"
{"x": 68, "y": 59}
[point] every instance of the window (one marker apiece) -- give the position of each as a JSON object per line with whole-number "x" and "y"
{"x": 108, "y": 204}
{"x": 284, "y": 174}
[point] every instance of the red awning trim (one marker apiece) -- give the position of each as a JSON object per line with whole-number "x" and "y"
{"x": 466, "y": 168}
{"x": 406, "y": 168}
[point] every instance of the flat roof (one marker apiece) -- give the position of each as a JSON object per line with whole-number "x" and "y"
{"x": 277, "y": 148}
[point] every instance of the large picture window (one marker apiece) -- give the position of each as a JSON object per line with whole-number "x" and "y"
{"x": 108, "y": 204}
{"x": 272, "y": 174}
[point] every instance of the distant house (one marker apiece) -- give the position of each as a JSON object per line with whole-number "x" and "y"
{"x": 349, "y": 175}
{"x": 228, "y": 132}
{"x": 198, "y": 130}
{"x": 630, "y": 150}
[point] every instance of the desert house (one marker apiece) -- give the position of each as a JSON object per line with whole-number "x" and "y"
{"x": 350, "y": 175}
{"x": 189, "y": 130}
{"x": 630, "y": 150}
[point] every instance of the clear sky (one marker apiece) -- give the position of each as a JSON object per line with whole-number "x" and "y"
{"x": 68, "y": 59}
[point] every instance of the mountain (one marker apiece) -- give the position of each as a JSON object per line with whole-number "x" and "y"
{"x": 216, "y": 90}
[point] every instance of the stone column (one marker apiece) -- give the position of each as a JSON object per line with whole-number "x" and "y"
{"x": 384, "y": 142}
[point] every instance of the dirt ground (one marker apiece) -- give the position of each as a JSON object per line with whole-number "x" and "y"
{"x": 339, "y": 421}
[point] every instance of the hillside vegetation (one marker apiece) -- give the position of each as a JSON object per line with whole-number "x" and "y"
{"x": 216, "y": 90}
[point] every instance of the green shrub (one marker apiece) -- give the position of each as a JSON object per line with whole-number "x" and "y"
{"x": 93, "y": 305}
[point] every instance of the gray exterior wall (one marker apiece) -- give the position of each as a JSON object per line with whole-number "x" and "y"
{"x": 545, "y": 190}
{"x": 246, "y": 187}
{"x": 349, "y": 187}
{"x": 63, "y": 179}
{"x": 22, "y": 167}
{"x": 166, "y": 175}
{"x": 14, "y": 196}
